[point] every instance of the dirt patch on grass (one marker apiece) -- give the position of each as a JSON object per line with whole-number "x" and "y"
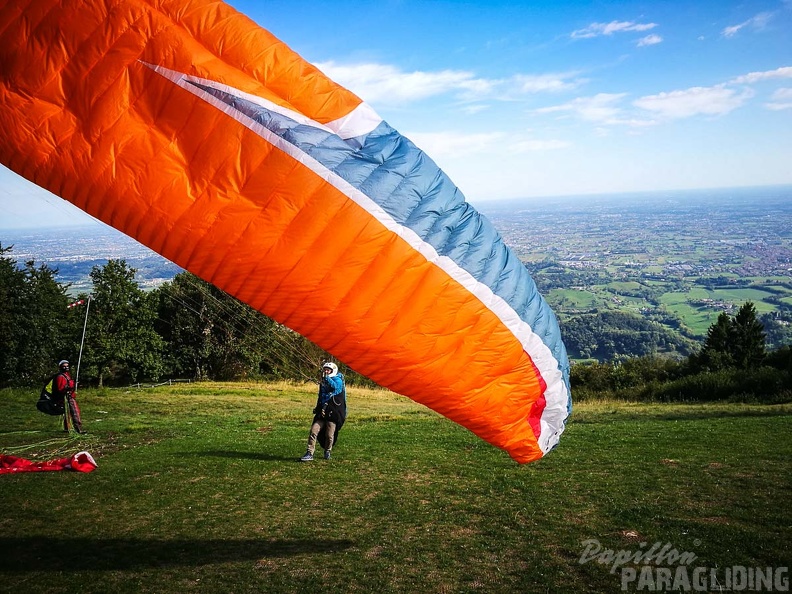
{"x": 632, "y": 536}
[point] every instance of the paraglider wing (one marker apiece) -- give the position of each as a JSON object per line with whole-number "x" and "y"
{"x": 185, "y": 125}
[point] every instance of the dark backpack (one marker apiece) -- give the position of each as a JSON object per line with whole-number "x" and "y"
{"x": 337, "y": 413}
{"x": 46, "y": 402}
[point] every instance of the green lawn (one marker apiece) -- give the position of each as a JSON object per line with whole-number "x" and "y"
{"x": 698, "y": 319}
{"x": 199, "y": 490}
{"x": 624, "y": 285}
{"x": 740, "y": 296}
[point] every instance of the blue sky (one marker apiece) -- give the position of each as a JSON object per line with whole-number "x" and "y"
{"x": 545, "y": 98}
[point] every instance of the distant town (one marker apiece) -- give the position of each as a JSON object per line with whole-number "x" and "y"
{"x": 74, "y": 251}
{"x": 739, "y": 232}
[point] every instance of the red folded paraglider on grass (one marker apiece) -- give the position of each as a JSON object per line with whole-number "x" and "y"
{"x": 80, "y": 462}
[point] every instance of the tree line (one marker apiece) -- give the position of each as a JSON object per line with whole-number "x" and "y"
{"x": 121, "y": 335}
{"x": 189, "y": 329}
{"x": 732, "y": 364}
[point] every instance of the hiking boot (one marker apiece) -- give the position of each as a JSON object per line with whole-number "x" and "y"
{"x": 327, "y": 454}
{"x": 307, "y": 458}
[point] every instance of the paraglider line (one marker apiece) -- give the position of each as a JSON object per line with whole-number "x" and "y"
{"x": 82, "y": 343}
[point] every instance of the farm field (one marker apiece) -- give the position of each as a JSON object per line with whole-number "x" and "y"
{"x": 198, "y": 489}
{"x": 699, "y": 308}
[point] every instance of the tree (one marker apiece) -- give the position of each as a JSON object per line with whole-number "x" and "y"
{"x": 733, "y": 342}
{"x": 612, "y": 335}
{"x": 12, "y": 290}
{"x": 121, "y": 343}
{"x": 50, "y": 328}
{"x": 717, "y": 350}
{"x": 748, "y": 346}
{"x": 778, "y": 328}
{"x": 210, "y": 334}
{"x": 37, "y": 328}
{"x": 185, "y": 323}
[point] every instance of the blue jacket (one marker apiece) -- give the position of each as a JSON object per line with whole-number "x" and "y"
{"x": 330, "y": 387}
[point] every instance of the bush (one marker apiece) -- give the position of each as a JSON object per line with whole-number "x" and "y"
{"x": 656, "y": 381}
{"x": 763, "y": 384}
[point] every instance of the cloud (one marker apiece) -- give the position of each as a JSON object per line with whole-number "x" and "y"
{"x": 649, "y": 40}
{"x": 607, "y": 109}
{"x": 597, "y": 29}
{"x": 757, "y": 23}
{"x": 543, "y": 83}
{"x": 531, "y": 144}
{"x": 714, "y": 101}
{"x": 454, "y": 144}
{"x": 459, "y": 144}
{"x": 754, "y": 77}
{"x": 386, "y": 84}
{"x": 781, "y": 99}
{"x": 601, "y": 108}
{"x": 474, "y": 108}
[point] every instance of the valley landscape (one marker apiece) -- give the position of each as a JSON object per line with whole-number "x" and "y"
{"x": 669, "y": 261}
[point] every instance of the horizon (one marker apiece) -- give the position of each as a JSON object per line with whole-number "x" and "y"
{"x": 45, "y": 206}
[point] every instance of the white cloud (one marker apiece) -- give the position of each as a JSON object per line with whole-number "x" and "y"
{"x": 546, "y": 82}
{"x": 597, "y": 29}
{"x": 713, "y": 101}
{"x": 757, "y": 23}
{"x": 454, "y": 144}
{"x": 649, "y": 40}
{"x": 754, "y": 77}
{"x": 607, "y": 109}
{"x": 386, "y": 84}
{"x": 474, "y": 108}
{"x": 444, "y": 145}
{"x": 527, "y": 145}
{"x": 781, "y": 99}
{"x": 601, "y": 108}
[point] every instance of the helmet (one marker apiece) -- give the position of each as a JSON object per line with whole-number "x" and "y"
{"x": 332, "y": 367}
{"x": 63, "y": 363}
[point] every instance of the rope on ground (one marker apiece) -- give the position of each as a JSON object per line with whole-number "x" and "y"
{"x": 66, "y": 443}
{"x": 54, "y": 447}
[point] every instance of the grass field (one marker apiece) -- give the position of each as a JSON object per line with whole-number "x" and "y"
{"x": 199, "y": 489}
{"x": 697, "y": 318}
{"x": 697, "y": 307}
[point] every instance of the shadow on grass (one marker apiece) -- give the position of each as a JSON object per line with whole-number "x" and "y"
{"x": 86, "y": 554}
{"x": 244, "y": 455}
